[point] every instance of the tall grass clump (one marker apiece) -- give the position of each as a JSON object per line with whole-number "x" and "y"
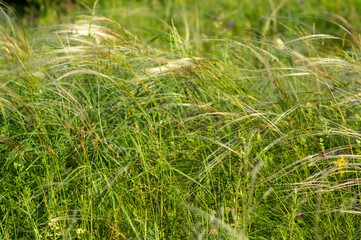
{"x": 103, "y": 136}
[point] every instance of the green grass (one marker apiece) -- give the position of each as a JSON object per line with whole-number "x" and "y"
{"x": 167, "y": 123}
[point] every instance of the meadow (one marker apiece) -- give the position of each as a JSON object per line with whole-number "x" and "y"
{"x": 181, "y": 120}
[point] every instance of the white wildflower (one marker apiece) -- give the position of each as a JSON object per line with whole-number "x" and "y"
{"x": 80, "y": 231}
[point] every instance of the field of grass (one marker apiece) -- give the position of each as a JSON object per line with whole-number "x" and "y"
{"x": 182, "y": 120}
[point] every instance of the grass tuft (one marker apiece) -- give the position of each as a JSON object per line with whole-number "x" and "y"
{"x": 107, "y": 135}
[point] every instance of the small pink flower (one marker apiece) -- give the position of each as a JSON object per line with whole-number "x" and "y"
{"x": 300, "y": 214}
{"x": 324, "y": 155}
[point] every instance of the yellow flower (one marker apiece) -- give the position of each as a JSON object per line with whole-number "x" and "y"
{"x": 341, "y": 162}
{"x": 213, "y": 231}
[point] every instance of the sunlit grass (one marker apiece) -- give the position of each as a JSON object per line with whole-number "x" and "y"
{"x": 106, "y": 136}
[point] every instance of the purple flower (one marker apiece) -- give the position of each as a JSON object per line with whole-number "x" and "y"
{"x": 324, "y": 155}
{"x": 230, "y": 24}
{"x": 300, "y": 214}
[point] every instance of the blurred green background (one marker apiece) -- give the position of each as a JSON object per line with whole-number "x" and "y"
{"x": 219, "y": 18}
